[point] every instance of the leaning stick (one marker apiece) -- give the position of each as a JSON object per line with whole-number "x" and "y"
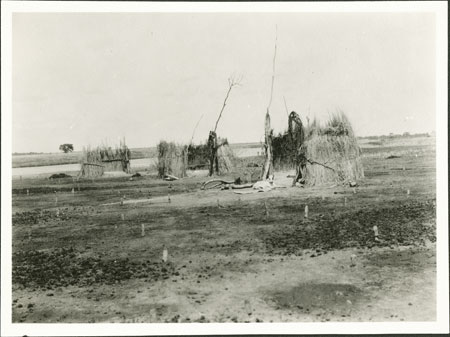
{"x": 273, "y": 70}
{"x": 195, "y": 128}
{"x": 285, "y": 106}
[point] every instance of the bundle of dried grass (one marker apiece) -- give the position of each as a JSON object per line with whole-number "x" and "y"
{"x": 332, "y": 152}
{"x": 172, "y": 159}
{"x": 225, "y": 158}
{"x": 96, "y": 161}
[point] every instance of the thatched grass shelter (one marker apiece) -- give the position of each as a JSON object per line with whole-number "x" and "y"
{"x": 172, "y": 159}
{"x": 322, "y": 154}
{"x": 96, "y": 161}
{"x": 199, "y": 156}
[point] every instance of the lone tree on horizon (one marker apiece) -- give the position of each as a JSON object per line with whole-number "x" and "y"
{"x": 66, "y": 148}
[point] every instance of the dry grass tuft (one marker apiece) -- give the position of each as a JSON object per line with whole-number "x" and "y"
{"x": 172, "y": 159}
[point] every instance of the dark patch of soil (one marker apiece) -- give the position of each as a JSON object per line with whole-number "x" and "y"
{"x": 413, "y": 261}
{"x": 64, "y": 267}
{"x": 309, "y": 296}
{"x": 59, "y": 176}
{"x": 408, "y": 223}
{"x": 36, "y": 216}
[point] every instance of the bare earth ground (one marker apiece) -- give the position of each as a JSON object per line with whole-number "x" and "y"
{"x": 77, "y": 260}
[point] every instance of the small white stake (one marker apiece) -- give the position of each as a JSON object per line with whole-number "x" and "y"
{"x": 408, "y": 192}
{"x": 165, "y": 255}
{"x": 404, "y": 168}
{"x": 56, "y": 200}
{"x": 375, "y": 231}
{"x": 73, "y": 191}
{"x": 28, "y": 192}
{"x": 57, "y": 212}
{"x": 345, "y": 201}
{"x": 352, "y": 259}
{"x": 122, "y": 216}
{"x": 29, "y": 235}
{"x": 142, "y": 229}
{"x": 306, "y": 211}
{"x": 323, "y": 197}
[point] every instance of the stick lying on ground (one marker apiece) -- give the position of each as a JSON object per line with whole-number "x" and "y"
{"x": 169, "y": 177}
{"x": 236, "y": 187}
{"x": 219, "y": 182}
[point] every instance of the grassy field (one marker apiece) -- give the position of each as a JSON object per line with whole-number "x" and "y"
{"x": 82, "y": 256}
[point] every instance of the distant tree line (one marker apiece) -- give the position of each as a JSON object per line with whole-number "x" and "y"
{"x": 392, "y": 135}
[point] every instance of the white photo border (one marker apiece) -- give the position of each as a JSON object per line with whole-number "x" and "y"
{"x": 442, "y": 323}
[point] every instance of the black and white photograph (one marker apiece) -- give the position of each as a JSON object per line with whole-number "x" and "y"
{"x": 182, "y": 168}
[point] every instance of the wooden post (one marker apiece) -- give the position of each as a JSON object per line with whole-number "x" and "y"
{"x": 142, "y": 229}
{"x": 213, "y": 160}
{"x": 165, "y": 254}
{"x": 268, "y": 161}
{"x": 268, "y": 132}
{"x": 345, "y": 201}
{"x": 306, "y": 211}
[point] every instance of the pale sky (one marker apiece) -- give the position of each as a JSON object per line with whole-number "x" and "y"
{"x": 87, "y": 78}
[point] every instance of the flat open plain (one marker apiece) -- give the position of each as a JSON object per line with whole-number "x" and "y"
{"x": 81, "y": 256}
